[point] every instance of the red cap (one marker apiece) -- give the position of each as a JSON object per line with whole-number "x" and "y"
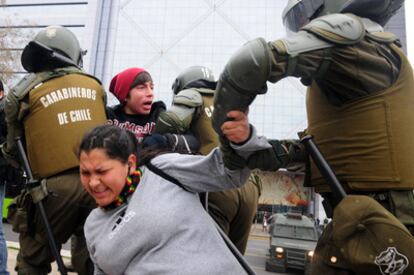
{"x": 121, "y": 83}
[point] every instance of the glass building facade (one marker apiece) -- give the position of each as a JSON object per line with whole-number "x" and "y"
{"x": 166, "y": 37}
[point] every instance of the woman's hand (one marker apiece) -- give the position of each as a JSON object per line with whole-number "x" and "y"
{"x": 237, "y": 129}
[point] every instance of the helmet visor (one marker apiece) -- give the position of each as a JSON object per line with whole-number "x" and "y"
{"x": 300, "y": 14}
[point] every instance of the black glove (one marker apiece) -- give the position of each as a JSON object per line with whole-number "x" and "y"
{"x": 184, "y": 144}
{"x": 231, "y": 159}
{"x": 297, "y": 155}
{"x": 157, "y": 141}
{"x": 283, "y": 154}
{"x": 270, "y": 159}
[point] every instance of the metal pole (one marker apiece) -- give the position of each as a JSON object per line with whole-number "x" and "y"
{"x": 31, "y": 183}
{"x": 240, "y": 258}
{"x": 326, "y": 171}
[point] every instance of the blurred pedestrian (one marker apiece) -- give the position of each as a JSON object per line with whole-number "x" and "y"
{"x": 3, "y": 180}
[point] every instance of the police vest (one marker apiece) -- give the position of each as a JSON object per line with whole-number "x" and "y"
{"x": 368, "y": 142}
{"x": 62, "y": 109}
{"x": 202, "y": 128}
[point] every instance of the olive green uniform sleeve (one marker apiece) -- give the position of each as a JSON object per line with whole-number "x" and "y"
{"x": 354, "y": 71}
{"x": 14, "y": 129}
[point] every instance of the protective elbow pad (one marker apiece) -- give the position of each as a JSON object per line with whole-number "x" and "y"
{"x": 244, "y": 77}
{"x": 169, "y": 122}
{"x": 249, "y": 69}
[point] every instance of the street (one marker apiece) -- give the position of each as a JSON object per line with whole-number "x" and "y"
{"x": 255, "y": 253}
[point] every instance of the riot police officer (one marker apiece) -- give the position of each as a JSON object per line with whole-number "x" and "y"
{"x": 191, "y": 110}
{"x": 359, "y": 102}
{"x": 51, "y": 108}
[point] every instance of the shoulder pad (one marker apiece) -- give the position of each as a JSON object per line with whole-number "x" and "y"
{"x": 30, "y": 81}
{"x": 205, "y": 91}
{"x": 27, "y": 83}
{"x": 188, "y": 97}
{"x": 376, "y": 32}
{"x": 301, "y": 42}
{"x": 383, "y": 37}
{"x": 343, "y": 29}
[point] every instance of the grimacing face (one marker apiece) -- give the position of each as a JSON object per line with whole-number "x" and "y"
{"x": 103, "y": 177}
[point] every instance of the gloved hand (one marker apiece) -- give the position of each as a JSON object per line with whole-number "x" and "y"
{"x": 156, "y": 141}
{"x": 264, "y": 160}
{"x": 183, "y": 144}
{"x": 172, "y": 142}
{"x": 297, "y": 155}
{"x": 231, "y": 159}
{"x": 283, "y": 154}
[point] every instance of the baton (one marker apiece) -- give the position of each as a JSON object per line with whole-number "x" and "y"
{"x": 323, "y": 166}
{"x": 31, "y": 182}
{"x": 242, "y": 261}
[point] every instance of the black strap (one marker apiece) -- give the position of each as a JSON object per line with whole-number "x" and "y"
{"x": 228, "y": 242}
{"x": 164, "y": 175}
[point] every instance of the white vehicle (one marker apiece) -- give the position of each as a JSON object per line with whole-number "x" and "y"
{"x": 293, "y": 239}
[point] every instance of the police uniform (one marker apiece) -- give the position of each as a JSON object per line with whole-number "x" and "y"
{"x": 233, "y": 209}
{"x": 52, "y": 110}
{"x": 358, "y": 102}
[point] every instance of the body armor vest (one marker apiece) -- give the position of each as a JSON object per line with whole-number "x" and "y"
{"x": 202, "y": 128}
{"x": 367, "y": 142}
{"x": 62, "y": 109}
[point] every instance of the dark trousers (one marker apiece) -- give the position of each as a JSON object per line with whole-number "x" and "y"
{"x": 67, "y": 207}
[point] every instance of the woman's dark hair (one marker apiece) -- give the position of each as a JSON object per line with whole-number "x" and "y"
{"x": 141, "y": 78}
{"x": 117, "y": 143}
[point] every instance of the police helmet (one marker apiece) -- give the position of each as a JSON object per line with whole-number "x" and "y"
{"x": 191, "y": 74}
{"x": 298, "y": 13}
{"x": 57, "y": 38}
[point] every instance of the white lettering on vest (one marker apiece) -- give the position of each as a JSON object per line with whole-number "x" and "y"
{"x": 209, "y": 110}
{"x": 80, "y": 115}
{"x": 62, "y": 118}
{"x": 67, "y": 93}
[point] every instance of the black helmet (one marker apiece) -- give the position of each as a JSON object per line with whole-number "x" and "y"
{"x": 191, "y": 74}
{"x": 57, "y": 38}
{"x": 298, "y": 13}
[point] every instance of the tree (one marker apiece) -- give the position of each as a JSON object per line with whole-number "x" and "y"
{"x": 11, "y": 45}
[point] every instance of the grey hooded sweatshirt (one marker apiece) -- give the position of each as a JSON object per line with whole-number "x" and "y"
{"x": 163, "y": 229}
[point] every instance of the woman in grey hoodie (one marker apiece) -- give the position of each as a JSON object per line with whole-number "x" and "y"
{"x": 150, "y": 219}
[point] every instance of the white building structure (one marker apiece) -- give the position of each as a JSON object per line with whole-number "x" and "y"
{"x": 166, "y": 36}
